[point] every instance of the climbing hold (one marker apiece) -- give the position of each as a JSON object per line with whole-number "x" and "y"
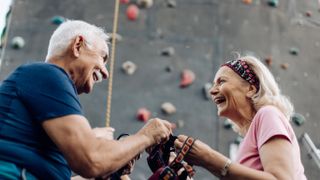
{"x": 118, "y": 37}
{"x": 273, "y": 3}
{"x": 124, "y": 1}
{"x": 298, "y": 119}
{"x": 168, "y": 108}
{"x": 238, "y": 140}
{"x": 169, "y": 68}
{"x": 159, "y": 33}
{"x": 171, "y": 3}
{"x": 57, "y": 20}
{"x": 284, "y": 65}
{"x": 247, "y": 1}
{"x": 168, "y": 51}
{"x": 308, "y": 13}
{"x": 145, "y": 3}
{"x": 227, "y": 124}
{"x": 132, "y": 12}
{"x": 180, "y": 123}
{"x": 268, "y": 61}
{"x": 187, "y": 78}
{"x": 294, "y": 51}
{"x": 143, "y": 114}
{"x": 17, "y": 42}
{"x": 206, "y": 91}
{"x": 129, "y": 67}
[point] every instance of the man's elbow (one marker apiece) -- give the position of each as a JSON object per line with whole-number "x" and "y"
{"x": 93, "y": 167}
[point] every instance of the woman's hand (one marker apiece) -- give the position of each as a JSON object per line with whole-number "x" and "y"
{"x": 198, "y": 153}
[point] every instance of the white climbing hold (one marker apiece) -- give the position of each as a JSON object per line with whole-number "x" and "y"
{"x": 169, "y": 51}
{"x": 206, "y": 91}
{"x": 129, "y": 67}
{"x": 145, "y": 3}
{"x": 17, "y": 42}
{"x": 168, "y": 108}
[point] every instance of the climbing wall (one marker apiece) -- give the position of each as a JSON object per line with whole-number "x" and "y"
{"x": 201, "y": 35}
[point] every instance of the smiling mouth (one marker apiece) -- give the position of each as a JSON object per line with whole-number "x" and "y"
{"x": 219, "y": 100}
{"x": 97, "y": 76}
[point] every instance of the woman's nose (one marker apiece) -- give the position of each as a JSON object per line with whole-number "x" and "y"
{"x": 214, "y": 90}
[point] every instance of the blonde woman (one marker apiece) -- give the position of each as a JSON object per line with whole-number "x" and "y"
{"x": 246, "y": 92}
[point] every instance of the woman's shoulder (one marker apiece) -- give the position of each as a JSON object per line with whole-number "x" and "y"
{"x": 269, "y": 112}
{"x": 268, "y": 109}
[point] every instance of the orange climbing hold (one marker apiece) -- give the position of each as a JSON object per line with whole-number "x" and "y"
{"x": 143, "y": 114}
{"x": 187, "y": 78}
{"x": 247, "y": 1}
{"x": 132, "y": 12}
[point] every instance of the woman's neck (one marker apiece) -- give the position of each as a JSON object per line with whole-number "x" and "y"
{"x": 243, "y": 118}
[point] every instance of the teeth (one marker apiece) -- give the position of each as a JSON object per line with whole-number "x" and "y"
{"x": 219, "y": 100}
{"x": 97, "y": 76}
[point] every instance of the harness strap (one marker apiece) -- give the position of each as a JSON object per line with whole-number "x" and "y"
{"x": 186, "y": 147}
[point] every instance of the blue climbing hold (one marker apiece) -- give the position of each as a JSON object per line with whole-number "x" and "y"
{"x": 273, "y": 3}
{"x": 57, "y": 20}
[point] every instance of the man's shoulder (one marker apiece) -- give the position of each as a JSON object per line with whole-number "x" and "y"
{"x": 40, "y": 67}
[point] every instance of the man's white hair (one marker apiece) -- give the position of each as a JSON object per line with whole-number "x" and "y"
{"x": 67, "y": 31}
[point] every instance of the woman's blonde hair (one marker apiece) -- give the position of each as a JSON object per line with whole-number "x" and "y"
{"x": 268, "y": 92}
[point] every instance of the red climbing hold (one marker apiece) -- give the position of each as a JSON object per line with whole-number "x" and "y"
{"x": 124, "y": 1}
{"x": 143, "y": 114}
{"x": 187, "y": 78}
{"x": 132, "y": 12}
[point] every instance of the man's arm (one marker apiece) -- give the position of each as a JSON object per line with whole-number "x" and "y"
{"x": 90, "y": 156}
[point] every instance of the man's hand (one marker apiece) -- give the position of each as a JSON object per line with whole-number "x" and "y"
{"x": 156, "y": 130}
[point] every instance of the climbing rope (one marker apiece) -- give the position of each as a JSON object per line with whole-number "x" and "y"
{"x": 113, "y": 49}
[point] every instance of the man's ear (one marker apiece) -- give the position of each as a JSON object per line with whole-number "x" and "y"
{"x": 77, "y": 46}
{"x": 252, "y": 91}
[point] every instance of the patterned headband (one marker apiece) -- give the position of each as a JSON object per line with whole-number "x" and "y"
{"x": 244, "y": 71}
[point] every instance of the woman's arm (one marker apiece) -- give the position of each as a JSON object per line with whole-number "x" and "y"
{"x": 276, "y": 157}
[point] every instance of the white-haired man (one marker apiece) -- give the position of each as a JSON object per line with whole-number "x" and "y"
{"x": 43, "y": 133}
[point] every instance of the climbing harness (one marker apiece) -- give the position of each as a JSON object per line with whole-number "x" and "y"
{"x": 163, "y": 169}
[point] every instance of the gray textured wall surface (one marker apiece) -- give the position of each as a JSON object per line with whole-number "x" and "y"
{"x": 203, "y": 33}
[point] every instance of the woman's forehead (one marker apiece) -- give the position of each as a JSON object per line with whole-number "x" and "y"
{"x": 224, "y": 71}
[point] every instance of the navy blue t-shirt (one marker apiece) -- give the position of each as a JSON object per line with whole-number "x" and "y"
{"x": 30, "y": 95}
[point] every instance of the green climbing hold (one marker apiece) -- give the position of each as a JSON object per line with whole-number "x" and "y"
{"x": 273, "y": 3}
{"x": 238, "y": 140}
{"x": 298, "y": 119}
{"x": 294, "y": 51}
{"x": 57, "y": 20}
{"x": 227, "y": 124}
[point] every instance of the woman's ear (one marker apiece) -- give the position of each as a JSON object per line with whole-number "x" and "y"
{"x": 77, "y": 45}
{"x": 252, "y": 91}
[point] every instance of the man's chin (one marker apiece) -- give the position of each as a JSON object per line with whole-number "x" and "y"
{"x": 86, "y": 90}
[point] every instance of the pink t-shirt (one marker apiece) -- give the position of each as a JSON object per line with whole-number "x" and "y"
{"x": 267, "y": 123}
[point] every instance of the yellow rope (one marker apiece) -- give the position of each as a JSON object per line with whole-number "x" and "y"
{"x": 113, "y": 49}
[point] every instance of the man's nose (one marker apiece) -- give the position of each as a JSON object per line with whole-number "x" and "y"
{"x": 105, "y": 72}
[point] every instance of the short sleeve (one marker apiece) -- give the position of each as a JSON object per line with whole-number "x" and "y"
{"x": 47, "y": 92}
{"x": 271, "y": 122}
